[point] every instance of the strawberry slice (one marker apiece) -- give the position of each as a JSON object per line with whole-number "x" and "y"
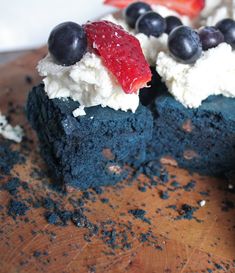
{"x": 191, "y": 8}
{"x": 121, "y": 54}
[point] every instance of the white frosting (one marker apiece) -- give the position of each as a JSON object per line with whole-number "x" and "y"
{"x": 151, "y": 46}
{"x": 210, "y": 6}
{"x": 216, "y": 10}
{"x": 118, "y": 21}
{"x": 212, "y": 74}
{"x": 79, "y": 111}
{"x": 88, "y": 82}
{"x": 164, "y": 12}
{"x": 10, "y": 132}
{"x": 217, "y": 15}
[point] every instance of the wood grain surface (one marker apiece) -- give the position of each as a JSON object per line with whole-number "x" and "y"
{"x": 206, "y": 243}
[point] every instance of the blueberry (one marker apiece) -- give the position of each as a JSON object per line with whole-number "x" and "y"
{"x": 210, "y": 37}
{"x": 227, "y": 27}
{"x": 151, "y": 23}
{"x": 185, "y": 45}
{"x": 67, "y": 43}
{"x": 134, "y": 11}
{"x": 171, "y": 23}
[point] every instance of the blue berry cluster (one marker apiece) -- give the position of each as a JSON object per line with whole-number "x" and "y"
{"x": 185, "y": 44}
{"x": 139, "y": 15}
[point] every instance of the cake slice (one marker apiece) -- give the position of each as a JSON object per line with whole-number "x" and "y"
{"x": 86, "y": 113}
{"x": 90, "y": 150}
{"x": 194, "y": 114}
{"x": 201, "y": 140}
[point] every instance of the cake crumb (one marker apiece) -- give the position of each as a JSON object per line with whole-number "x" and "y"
{"x": 164, "y": 195}
{"x": 202, "y": 203}
{"x": 10, "y": 132}
{"x": 140, "y": 214}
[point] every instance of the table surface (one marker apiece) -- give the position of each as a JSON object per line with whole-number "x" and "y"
{"x": 165, "y": 238}
{"x": 6, "y": 57}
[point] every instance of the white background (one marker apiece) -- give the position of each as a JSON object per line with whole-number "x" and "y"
{"x": 26, "y": 24}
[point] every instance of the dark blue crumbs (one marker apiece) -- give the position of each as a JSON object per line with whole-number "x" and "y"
{"x": 48, "y": 203}
{"x": 110, "y": 236}
{"x": 58, "y": 217}
{"x": 186, "y": 212}
{"x": 12, "y": 186}
{"x": 190, "y": 186}
{"x": 17, "y": 208}
{"x": 104, "y": 200}
{"x": 153, "y": 183}
{"x": 142, "y": 189}
{"x": 52, "y": 218}
{"x": 172, "y": 207}
{"x": 8, "y": 158}
{"x": 175, "y": 184}
{"x": 37, "y": 253}
{"x": 98, "y": 190}
{"x": 164, "y": 177}
{"x": 140, "y": 214}
{"x": 164, "y": 195}
{"x": 144, "y": 237}
{"x": 218, "y": 266}
{"x": 204, "y": 193}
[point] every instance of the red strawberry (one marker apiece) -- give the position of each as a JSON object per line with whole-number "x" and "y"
{"x": 190, "y": 8}
{"x": 121, "y": 54}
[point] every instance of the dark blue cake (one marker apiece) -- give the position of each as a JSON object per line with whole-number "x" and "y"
{"x": 90, "y": 150}
{"x": 201, "y": 140}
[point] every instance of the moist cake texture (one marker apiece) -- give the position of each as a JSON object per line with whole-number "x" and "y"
{"x": 201, "y": 139}
{"x": 90, "y": 150}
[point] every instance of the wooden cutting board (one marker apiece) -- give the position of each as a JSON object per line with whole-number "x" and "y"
{"x": 163, "y": 240}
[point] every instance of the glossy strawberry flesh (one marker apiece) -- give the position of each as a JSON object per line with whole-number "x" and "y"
{"x": 190, "y": 8}
{"x": 121, "y": 54}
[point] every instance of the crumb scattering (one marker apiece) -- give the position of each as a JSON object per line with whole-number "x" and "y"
{"x": 202, "y": 203}
{"x": 9, "y": 132}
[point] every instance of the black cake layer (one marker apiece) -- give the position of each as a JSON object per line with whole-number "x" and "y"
{"x": 90, "y": 150}
{"x": 201, "y": 140}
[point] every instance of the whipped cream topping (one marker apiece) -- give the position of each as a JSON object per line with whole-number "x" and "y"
{"x": 9, "y": 132}
{"x": 217, "y": 15}
{"x": 210, "y": 6}
{"x": 216, "y": 10}
{"x": 151, "y": 45}
{"x": 79, "y": 111}
{"x": 164, "y": 12}
{"x": 88, "y": 82}
{"x": 118, "y": 20}
{"x": 212, "y": 74}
